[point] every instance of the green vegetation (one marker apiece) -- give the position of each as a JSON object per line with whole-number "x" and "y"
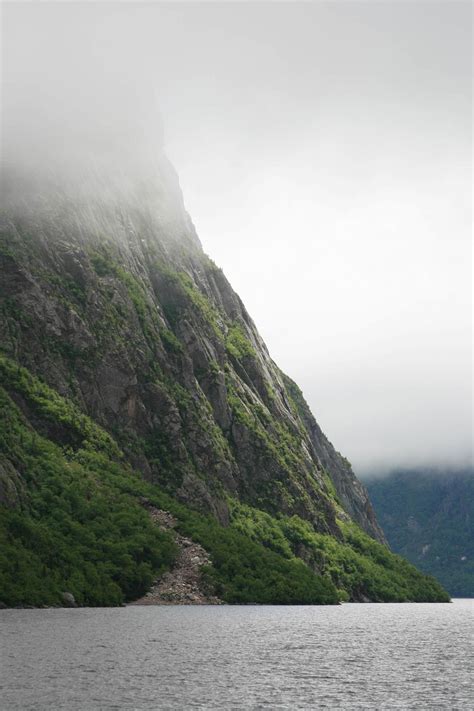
{"x": 53, "y": 412}
{"x": 135, "y": 292}
{"x": 357, "y": 565}
{"x": 201, "y": 303}
{"x": 259, "y": 526}
{"x": 283, "y": 446}
{"x": 427, "y": 517}
{"x": 145, "y": 333}
{"x": 80, "y": 527}
{"x": 75, "y": 289}
{"x": 77, "y": 525}
{"x": 105, "y": 266}
{"x": 76, "y": 530}
{"x": 237, "y": 343}
{"x": 188, "y": 296}
{"x": 245, "y": 571}
{"x": 170, "y": 342}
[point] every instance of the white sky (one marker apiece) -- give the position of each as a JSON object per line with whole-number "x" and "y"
{"x": 324, "y": 151}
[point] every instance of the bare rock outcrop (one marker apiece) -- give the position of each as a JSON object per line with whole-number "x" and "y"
{"x": 184, "y": 584}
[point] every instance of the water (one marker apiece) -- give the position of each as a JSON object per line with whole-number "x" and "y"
{"x": 395, "y": 656}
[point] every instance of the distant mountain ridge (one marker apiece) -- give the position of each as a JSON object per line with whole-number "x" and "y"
{"x": 428, "y": 517}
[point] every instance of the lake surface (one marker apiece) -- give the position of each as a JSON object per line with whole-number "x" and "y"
{"x": 392, "y": 656}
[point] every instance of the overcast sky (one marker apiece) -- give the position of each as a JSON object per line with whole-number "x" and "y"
{"x": 324, "y": 151}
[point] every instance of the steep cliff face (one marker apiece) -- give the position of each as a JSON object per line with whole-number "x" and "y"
{"x": 132, "y": 379}
{"x": 109, "y": 297}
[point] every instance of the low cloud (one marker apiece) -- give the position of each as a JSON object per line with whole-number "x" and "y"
{"x": 324, "y": 152}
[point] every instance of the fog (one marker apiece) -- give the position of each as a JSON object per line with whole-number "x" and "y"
{"x": 324, "y": 152}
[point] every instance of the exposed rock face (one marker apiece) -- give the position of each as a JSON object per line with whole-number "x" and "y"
{"x": 113, "y": 302}
{"x": 351, "y": 492}
{"x": 11, "y": 485}
{"x": 68, "y": 600}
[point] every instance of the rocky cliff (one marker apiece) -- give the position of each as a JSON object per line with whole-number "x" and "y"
{"x": 107, "y": 296}
{"x": 115, "y": 304}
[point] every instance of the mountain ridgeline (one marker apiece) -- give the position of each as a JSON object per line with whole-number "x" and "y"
{"x": 131, "y": 372}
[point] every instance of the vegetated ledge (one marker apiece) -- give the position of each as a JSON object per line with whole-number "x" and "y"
{"x": 72, "y": 520}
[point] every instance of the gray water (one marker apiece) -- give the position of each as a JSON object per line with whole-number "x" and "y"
{"x": 395, "y": 656}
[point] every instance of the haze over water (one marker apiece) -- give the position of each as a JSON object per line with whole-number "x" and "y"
{"x": 356, "y": 656}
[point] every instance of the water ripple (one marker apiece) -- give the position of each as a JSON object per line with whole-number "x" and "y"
{"x": 387, "y": 657}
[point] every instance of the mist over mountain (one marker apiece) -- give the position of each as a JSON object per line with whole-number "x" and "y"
{"x": 235, "y": 367}
{"x": 142, "y": 413}
{"x": 273, "y": 126}
{"x": 136, "y": 388}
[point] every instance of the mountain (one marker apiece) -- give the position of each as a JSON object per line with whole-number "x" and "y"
{"x": 133, "y": 379}
{"x": 428, "y": 517}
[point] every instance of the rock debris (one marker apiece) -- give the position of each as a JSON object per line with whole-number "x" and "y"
{"x": 184, "y": 584}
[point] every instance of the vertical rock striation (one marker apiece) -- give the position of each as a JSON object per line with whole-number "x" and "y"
{"x": 107, "y": 295}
